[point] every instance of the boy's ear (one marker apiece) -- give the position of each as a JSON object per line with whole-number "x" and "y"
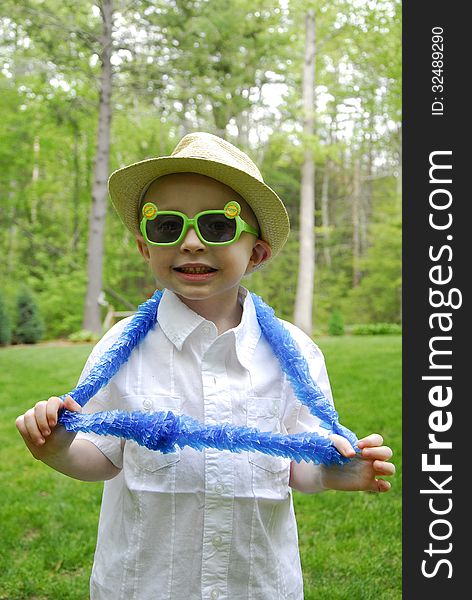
{"x": 260, "y": 253}
{"x": 143, "y": 248}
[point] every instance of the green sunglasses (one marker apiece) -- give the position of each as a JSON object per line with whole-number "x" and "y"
{"x": 213, "y": 227}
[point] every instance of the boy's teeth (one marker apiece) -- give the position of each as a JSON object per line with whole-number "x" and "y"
{"x": 196, "y": 269}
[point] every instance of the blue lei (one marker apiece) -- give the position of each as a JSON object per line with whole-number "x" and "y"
{"x": 164, "y": 431}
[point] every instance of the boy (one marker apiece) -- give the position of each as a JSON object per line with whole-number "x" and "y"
{"x": 200, "y": 524}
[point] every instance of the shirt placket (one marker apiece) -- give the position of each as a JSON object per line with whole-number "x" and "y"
{"x": 219, "y": 479}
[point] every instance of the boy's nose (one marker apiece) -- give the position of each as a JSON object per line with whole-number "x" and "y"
{"x": 191, "y": 242}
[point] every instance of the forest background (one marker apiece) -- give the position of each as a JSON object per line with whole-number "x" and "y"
{"x": 87, "y": 87}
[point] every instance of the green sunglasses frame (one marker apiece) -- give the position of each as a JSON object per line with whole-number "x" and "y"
{"x": 231, "y": 211}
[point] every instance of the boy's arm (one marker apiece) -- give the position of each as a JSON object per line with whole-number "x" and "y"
{"x": 359, "y": 474}
{"x": 52, "y": 444}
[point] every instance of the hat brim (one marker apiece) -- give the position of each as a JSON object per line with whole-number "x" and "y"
{"x": 126, "y": 187}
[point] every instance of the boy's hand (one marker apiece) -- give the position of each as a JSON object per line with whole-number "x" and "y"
{"x": 39, "y": 430}
{"x": 361, "y": 473}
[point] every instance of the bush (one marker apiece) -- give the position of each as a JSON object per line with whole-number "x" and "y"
{"x": 336, "y": 324}
{"x": 376, "y": 329}
{"x": 5, "y": 323}
{"x": 29, "y": 326}
{"x": 83, "y": 336}
{"x": 62, "y": 306}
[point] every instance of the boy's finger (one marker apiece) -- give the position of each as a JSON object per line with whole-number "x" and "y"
{"x": 20, "y": 425}
{"x": 381, "y": 486}
{"x": 71, "y": 404}
{"x": 41, "y": 418}
{"x": 374, "y": 439}
{"x": 32, "y": 430}
{"x": 342, "y": 445}
{"x": 53, "y": 405}
{"x": 378, "y": 453}
{"x": 383, "y": 468}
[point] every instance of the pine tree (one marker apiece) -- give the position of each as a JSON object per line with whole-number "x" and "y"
{"x": 29, "y": 326}
{"x": 336, "y": 324}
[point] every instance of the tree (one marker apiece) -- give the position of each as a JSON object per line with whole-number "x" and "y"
{"x": 182, "y": 66}
{"x": 306, "y": 267}
{"x": 28, "y": 325}
{"x": 92, "y": 321}
{"x": 336, "y": 324}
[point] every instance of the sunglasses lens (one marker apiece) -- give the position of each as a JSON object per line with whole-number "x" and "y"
{"x": 217, "y": 228}
{"x": 164, "y": 229}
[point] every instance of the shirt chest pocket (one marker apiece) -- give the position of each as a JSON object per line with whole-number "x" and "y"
{"x": 270, "y": 474}
{"x": 141, "y": 460}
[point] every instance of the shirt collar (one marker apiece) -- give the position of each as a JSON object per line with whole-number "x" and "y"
{"x": 178, "y": 321}
{"x": 248, "y": 332}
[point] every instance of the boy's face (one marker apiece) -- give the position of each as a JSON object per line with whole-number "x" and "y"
{"x": 192, "y": 269}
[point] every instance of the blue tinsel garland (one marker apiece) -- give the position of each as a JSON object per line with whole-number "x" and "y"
{"x": 164, "y": 431}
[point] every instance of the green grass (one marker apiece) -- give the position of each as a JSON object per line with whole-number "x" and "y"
{"x": 350, "y": 543}
{"x": 48, "y": 521}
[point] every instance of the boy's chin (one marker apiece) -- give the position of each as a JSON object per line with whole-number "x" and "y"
{"x": 205, "y": 293}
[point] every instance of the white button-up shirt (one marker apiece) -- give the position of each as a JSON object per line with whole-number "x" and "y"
{"x": 201, "y": 525}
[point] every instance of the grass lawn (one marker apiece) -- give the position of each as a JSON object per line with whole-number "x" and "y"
{"x": 350, "y": 543}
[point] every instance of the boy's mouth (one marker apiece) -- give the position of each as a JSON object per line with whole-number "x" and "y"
{"x": 195, "y": 270}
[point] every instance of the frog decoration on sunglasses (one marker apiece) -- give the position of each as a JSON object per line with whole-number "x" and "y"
{"x": 213, "y": 227}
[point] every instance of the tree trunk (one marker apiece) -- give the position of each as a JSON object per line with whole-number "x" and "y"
{"x": 306, "y": 266}
{"x": 356, "y": 229}
{"x": 12, "y": 231}
{"x": 92, "y": 321}
{"x": 76, "y": 191}
{"x": 186, "y": 125}
{"x": 325, "y": 213}
{"x": 367, "y": 191}
{"x": 242, "y": 122}
{"x": 35, "y": 179}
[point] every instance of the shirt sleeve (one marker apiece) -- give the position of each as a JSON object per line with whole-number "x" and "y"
{"x": 105, "y": 399}
{"x": 297, "y": 417}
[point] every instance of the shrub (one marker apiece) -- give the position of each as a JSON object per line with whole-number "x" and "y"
{"x": 62, "y": 306}
{"x": 5, "y": 323}
{"x": 336, "y": 324}
{"x": 376, "y": 329}
{"x": 83, "y": 336}
{"x": 29, "y": 326}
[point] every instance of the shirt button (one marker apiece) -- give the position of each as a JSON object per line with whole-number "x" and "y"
{"x": 217, "y": 541}
{"x": 214, "y": 594}
{"x": 147, "y": 404}
{"x": 206, "y": 330}
{"x": 219, "y": 487}
{"x": 275, "y": 410}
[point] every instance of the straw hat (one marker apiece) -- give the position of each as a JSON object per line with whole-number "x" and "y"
{"x": 209, "y": 155}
